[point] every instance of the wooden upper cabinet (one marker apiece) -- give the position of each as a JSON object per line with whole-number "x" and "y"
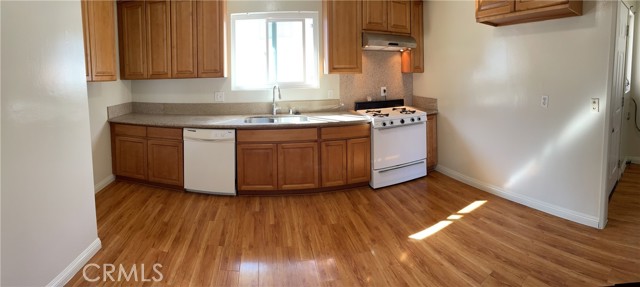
{"x": 505, "y": 12}
{"x": 387, "y": 16}
{"x": 413, "y": 60}
{"x": 162, "y": 39}
{"x": 533, "y": 4}
{"x": 158, "y": 38}
{"x": 184, "y": 52}
{"x": 342, "y": 36}
{"x": 133, "y": 40}
{"x": 211, "y": 44}
{"x": 485, "y": 8}
{"x": 399, "y": 16}
{"x": 374, "y": 15}
{"x": 98, "y": 23}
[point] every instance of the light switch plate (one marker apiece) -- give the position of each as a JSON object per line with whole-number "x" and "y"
{"x": 383, "y": 91}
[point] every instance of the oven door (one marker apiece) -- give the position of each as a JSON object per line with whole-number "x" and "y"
{"x": 398, "y": 145}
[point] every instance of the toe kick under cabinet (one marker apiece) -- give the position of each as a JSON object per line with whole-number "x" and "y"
{"x": 279, "y": 161}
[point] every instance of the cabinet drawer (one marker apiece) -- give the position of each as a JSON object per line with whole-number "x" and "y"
{"x": 164, "y": 133}
{"x": 129, "y": 130}
{"x": 288, "y": 135}
{"x": 358, "y": 131}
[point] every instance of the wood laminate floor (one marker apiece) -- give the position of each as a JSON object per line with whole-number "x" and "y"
{"x": 360, "y": 237}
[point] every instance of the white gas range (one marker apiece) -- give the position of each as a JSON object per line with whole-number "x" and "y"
{"x": 398, "y": 140}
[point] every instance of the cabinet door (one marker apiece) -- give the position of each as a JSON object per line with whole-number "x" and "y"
{"x": 165, "y": 162}
{"x": 342, "y": 36}
{"x": 131, "y": 157}
{"x": 132, "y": 39}
{"x": 85, "y": 33}
{"x": 298, "y": 165}
{"x": 432, "y": 142}
{"x": 533, "y": 4}
{"x": 399, "y": 16}
{"x": 417, "y": 53}
{"x": 184, "y": 57}
{"x": 211, "y": 44}
{"x": 486, "y": 8}
{"x": 374, "y": 15}
{"x": 358, "y": 160}
{"x": 257, "y": 167}
{"x": 158, "y": 39}
{"x": 102, "y": 33}
{"x": 334, "y": 163}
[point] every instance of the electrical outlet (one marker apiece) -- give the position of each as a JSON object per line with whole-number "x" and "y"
{"x": 544, "y": 101}
{"x": 218, "y": 97}
{"x": 595, "y": 105}
{"x": 383, "y": 91}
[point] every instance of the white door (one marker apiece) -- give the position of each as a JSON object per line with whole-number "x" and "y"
{"x": 615, "y": 111}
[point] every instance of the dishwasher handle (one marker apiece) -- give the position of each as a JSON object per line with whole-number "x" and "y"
{"x": 208, "y": 140}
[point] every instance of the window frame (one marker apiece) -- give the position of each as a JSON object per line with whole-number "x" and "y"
{"x": 280, "y": 16}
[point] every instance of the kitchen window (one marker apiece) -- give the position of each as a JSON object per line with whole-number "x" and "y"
{"x": 270, "y": 49}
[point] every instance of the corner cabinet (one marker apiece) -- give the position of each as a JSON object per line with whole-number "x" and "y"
{"x": 148, "y": 154}
{"x": 99, "y": 30}
{"x": 509, "y": 12}
{"x": 161, "y": 39}
{"x": 303, "y": 160}
{"x": 342, "y": 34}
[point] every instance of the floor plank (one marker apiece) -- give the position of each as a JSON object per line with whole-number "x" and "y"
{"x": 359, "y": 237}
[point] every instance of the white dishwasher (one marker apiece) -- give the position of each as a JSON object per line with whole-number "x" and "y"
{"x": 210, "y": 161}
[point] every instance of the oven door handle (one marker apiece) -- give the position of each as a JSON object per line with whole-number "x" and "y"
{"x": 400, "y": 166}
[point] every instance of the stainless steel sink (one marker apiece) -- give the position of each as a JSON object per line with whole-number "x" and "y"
{"x": 276, "y": 119}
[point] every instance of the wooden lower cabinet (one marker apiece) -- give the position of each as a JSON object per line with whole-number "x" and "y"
{"x": 298, "y": 165}
{"x": 130, "y": 157}
{"x": 150, "y": 154}
{"x": 432, "y": 142}
{"x": 358, "y": 160}
{"x": 346, "y": 162}
{"x": 165, "y": 162}
{"x": 257, "y": 166}
{"x": 334, "y": 163}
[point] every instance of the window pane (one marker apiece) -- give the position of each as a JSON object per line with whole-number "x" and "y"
{"x": 289, "y": 51}
{"x": 250, "y": 53}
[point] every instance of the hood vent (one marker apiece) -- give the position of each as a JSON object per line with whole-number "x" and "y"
{"x": 387, "y": 42}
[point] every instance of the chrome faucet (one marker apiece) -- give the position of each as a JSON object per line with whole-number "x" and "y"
{"x": 273, "y": 93}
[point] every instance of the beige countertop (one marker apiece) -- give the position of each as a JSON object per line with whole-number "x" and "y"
{"x": 237, "y": 121}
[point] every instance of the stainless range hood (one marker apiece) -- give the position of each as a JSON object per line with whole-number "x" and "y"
{"x": 387, "y": 42}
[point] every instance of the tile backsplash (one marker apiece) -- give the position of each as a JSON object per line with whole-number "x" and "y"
{"x": 379, "y": 69}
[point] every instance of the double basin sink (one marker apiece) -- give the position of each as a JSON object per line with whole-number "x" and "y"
{"x": 276, "y": 119}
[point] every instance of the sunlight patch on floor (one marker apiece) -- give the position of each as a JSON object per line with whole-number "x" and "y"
{"x": 444, "y": 223}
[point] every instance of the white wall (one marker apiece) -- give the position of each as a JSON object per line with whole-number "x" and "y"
{"x": 48, "y": 208}
{"x": 630, "y": 145}
{"x": 202, "y": 90}
{"x": 492, "y": 131}
{"x": 102, "y": 95}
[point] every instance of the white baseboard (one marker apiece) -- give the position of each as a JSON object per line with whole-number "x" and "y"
{"x": 562, "y": 212}
{"x": 633, "y": 159}
{"x": 103, "y": 183}
{"x": 76, "y": 264}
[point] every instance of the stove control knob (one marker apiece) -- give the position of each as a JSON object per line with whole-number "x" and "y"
{"x": 418, "y": 119}
{"x": 402, "y": 121}
{"x": 384, "y": 124}
{"x": 413, "y": 120}
{"x": 391, "y": 122}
